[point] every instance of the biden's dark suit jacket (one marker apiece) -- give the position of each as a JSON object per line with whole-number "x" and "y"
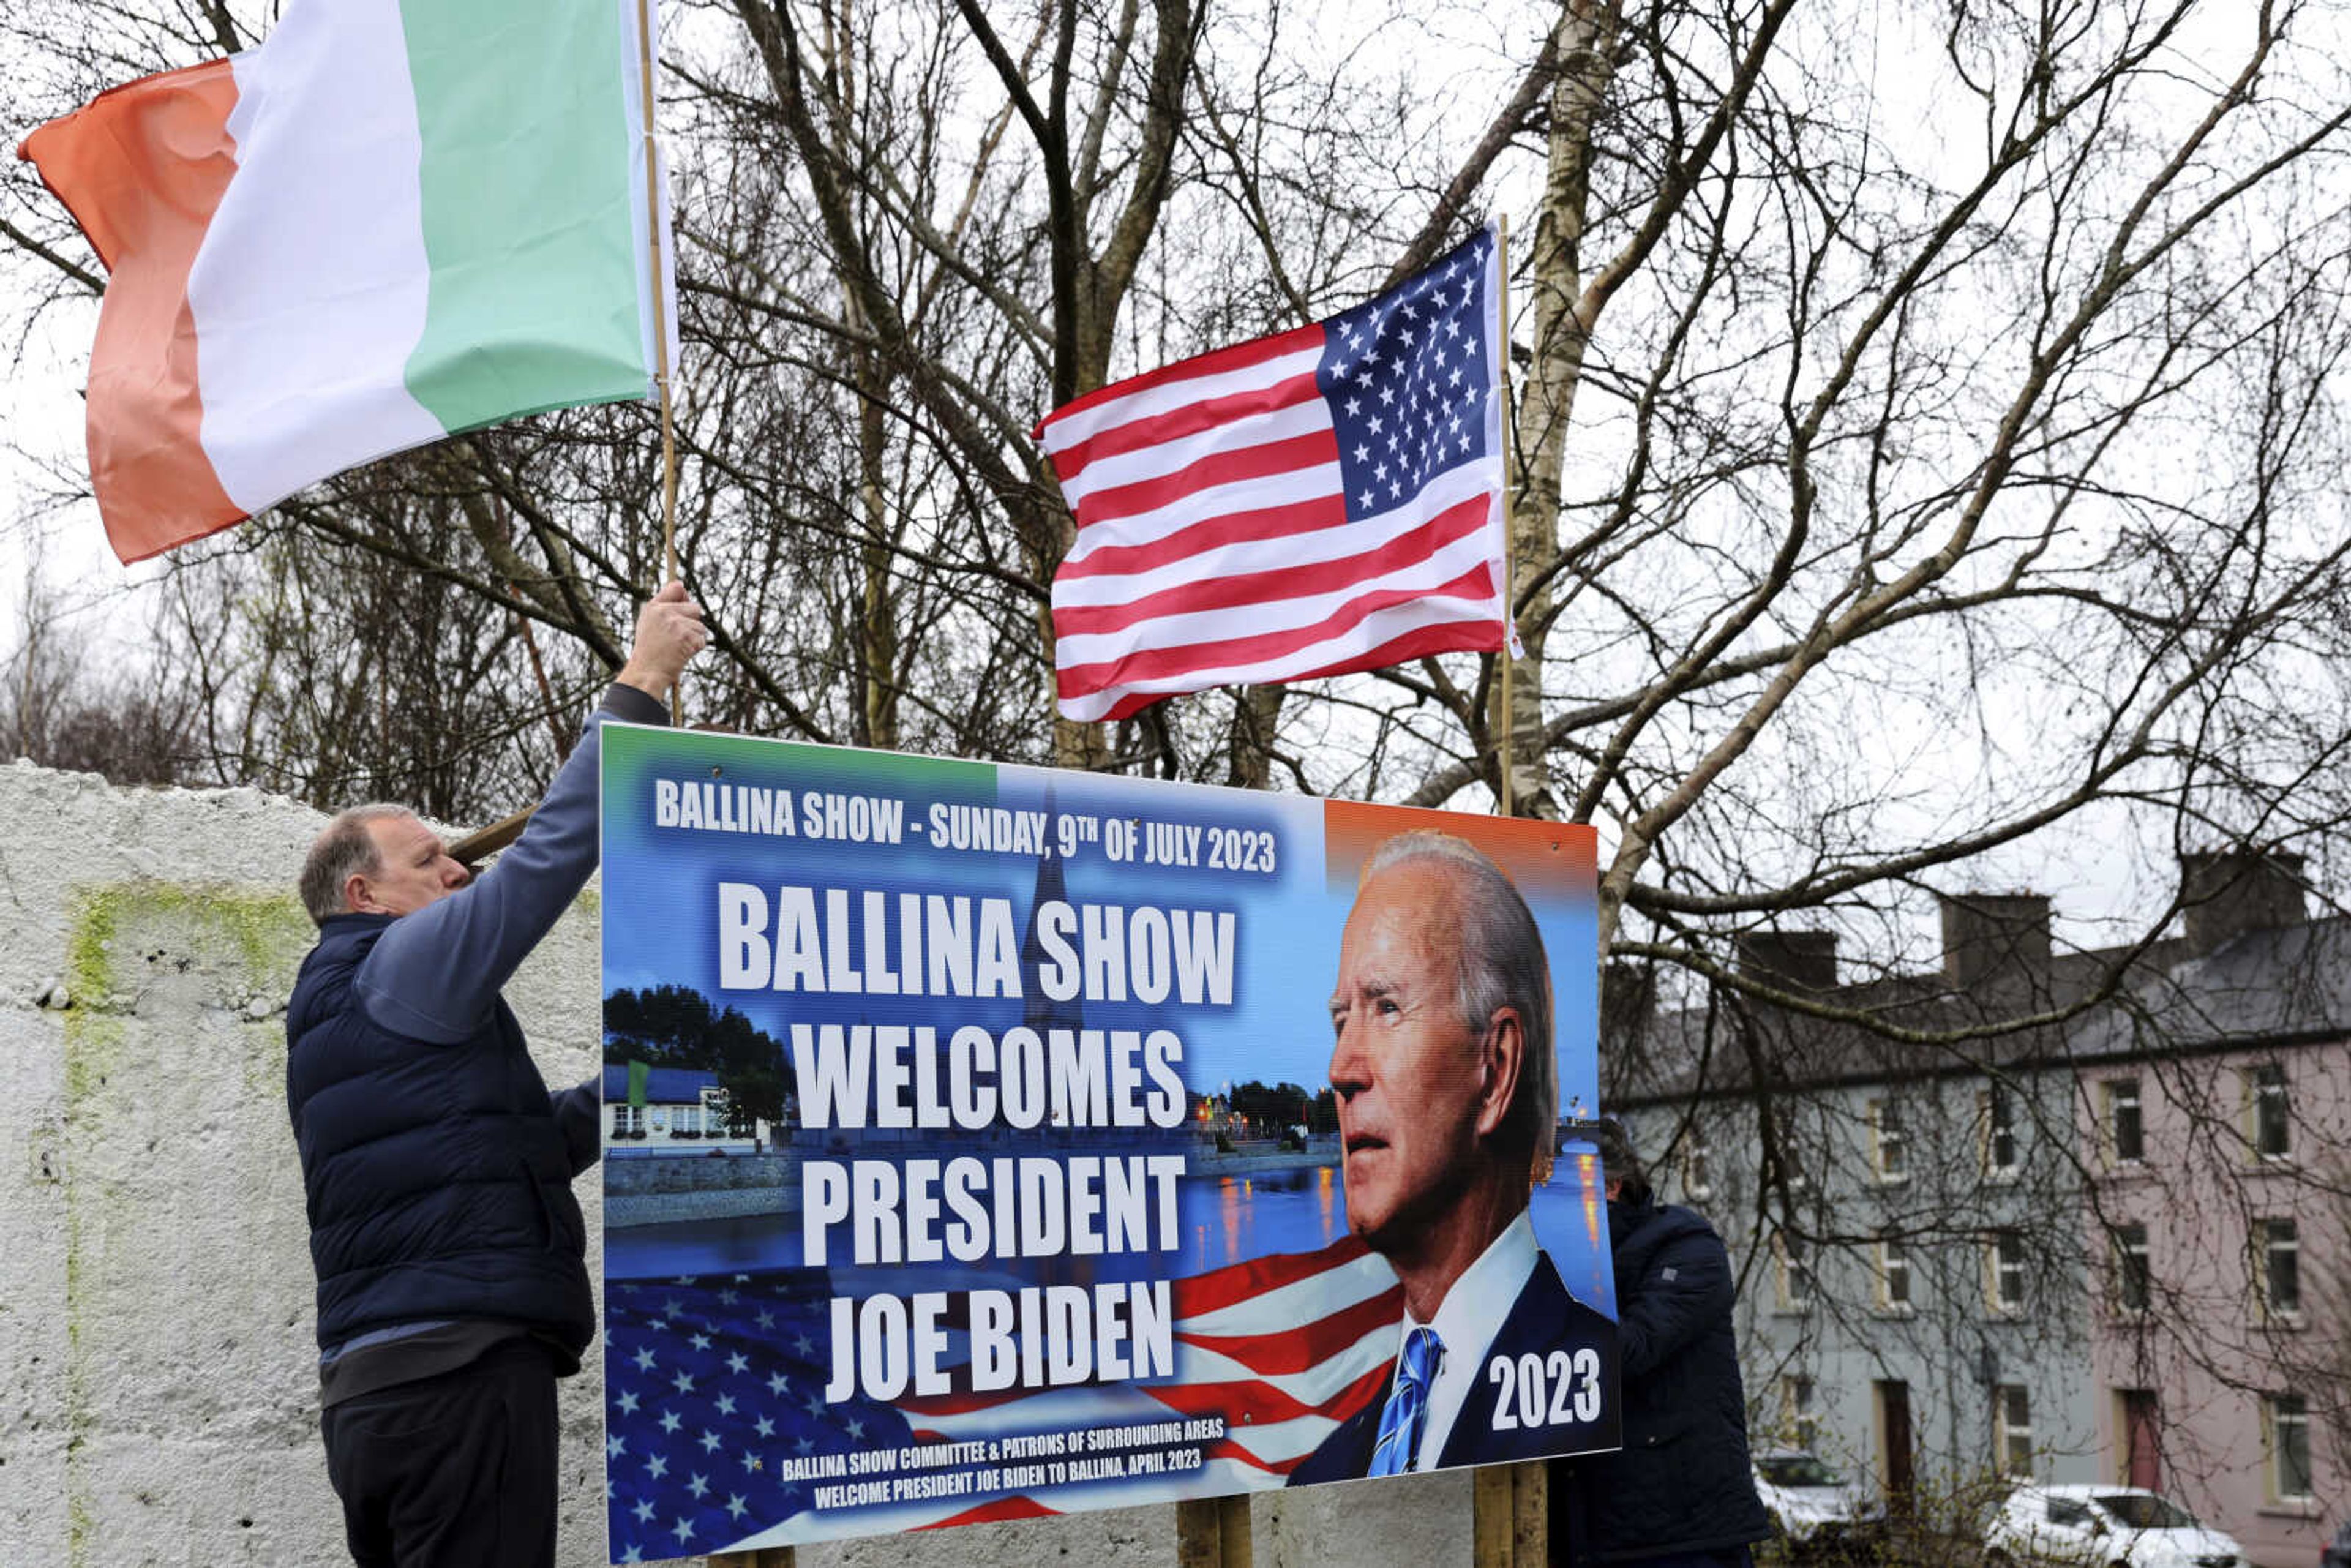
{"x": 1544, "y": 1319}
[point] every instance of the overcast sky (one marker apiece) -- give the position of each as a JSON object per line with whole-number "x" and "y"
{"x": 2098, "y": 868}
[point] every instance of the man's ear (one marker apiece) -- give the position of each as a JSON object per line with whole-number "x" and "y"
{"x": 355, "y": 893}
{"x": 1502, "y": 1056}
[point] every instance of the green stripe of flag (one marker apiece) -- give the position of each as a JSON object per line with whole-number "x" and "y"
{"x": 529, "y": 228}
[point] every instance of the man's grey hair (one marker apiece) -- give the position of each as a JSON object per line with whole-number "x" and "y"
{"x": 1618, "y": 1162}
{"x": 1502, "y": 965}
{"x": 343, "y": 847}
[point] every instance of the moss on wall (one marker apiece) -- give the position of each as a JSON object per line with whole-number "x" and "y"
{"x": 250, "y": 941}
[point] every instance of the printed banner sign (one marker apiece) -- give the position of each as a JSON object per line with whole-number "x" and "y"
{"x": 983, "y": 1143}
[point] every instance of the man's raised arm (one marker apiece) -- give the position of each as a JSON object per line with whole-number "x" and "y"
{"x": 437, "y": 970}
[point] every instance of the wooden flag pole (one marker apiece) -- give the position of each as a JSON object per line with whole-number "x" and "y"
{"x": 660, "y": 323}
{"x": 1509, "y": 529}
{"x": 483, "y": 843}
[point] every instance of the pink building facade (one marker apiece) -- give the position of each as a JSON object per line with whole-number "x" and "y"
{"x": 2216, "y": 1203}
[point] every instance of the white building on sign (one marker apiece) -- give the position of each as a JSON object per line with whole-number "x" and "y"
{"x": 685, "y": 1113}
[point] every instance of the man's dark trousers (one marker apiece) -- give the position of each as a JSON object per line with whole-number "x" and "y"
{"x": 452, "y": 1472}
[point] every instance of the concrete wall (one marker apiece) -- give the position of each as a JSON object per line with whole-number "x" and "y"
{"x": 159, "y": 1403}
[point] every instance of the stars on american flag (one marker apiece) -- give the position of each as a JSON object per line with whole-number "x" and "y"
{"x": 708, "y": 1378}
{"x": 1420, "y": 354}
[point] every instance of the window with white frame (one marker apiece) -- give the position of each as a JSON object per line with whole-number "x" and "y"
{"x": 1698, "y": 1172}
{"x": 2005, "y": 1272}
{"x": 628, "y": 1121}
{"x": 1889, "y": 1145}
{"x": 1792, "y": 1274}
{"x": 2133, "y": 1283}
{"x": 1800, "y": 1415}
{"x": 2286, "y": 1421}
{"x": 2126, "y": 1128}
{"x": 2012, "y": 1430}
{"x": 2277, "y": 1267}
{"x": 1893, "y": 1275}
{"x": 1999, "y": 1134}
{"x": 2269, "y": 1127}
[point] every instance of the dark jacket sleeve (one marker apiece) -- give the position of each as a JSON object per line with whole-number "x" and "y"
{"x": 1685, "y": 1289}
{"x": 576, "y": 1111}
{"x": 436, "y": 972}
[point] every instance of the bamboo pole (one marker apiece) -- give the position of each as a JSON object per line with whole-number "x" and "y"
{"x": 1506, "y": 743}
{"x": 660, "y": 323}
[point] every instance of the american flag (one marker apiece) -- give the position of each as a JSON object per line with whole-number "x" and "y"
{"x": 713, "y": 1384}
{"x": 1323, "y": 500}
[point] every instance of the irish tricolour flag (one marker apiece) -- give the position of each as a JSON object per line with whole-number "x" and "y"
{"x": 392, "y": 220}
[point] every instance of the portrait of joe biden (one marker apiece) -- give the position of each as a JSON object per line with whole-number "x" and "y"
{"x": 1447, "y": 1084}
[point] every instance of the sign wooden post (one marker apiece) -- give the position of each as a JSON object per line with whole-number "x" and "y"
{"x": 1214, "y": 1532}
{"x": 1530, "y": 1513}
{"x": 1510, "y": 1521}
{"x": 1510, "y": 1526}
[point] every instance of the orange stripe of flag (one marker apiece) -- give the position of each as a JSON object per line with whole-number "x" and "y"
{"x": 142, "y": 169}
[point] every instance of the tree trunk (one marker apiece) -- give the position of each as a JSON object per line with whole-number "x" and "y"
{"x": 1585, "y": 46}
{"x": 1249, "y": 741}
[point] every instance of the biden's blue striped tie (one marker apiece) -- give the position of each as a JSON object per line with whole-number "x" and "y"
{"x": 1407, "y": 1405}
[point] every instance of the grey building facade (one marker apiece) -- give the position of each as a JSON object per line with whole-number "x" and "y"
{"x": 1921, "y": 1197}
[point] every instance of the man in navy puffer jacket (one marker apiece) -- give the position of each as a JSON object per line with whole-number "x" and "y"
{"x": 1681, "y": 1493}
{"x": 453, "y": 1289}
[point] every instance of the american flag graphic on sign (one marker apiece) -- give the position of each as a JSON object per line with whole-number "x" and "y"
{"x": 1323, "y": 501}
{"x": 715, "y": 1413}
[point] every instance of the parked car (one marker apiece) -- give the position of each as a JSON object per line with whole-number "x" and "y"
{"x": 1809, "y": 1503}
{"x": 2336, "y": 1553}
{"x": 2129, "y": 1527}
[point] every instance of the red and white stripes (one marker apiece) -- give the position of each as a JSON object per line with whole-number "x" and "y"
{"x": 1216, "y": 543}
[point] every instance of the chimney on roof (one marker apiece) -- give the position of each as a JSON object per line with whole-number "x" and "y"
{"x": 1802, "y": 960}
{"x": 1991, "y": 938}
{"x": 2227, "y": 893}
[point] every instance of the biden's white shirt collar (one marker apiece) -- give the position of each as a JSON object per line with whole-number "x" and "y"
{"x": 1466, "y": 1323}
